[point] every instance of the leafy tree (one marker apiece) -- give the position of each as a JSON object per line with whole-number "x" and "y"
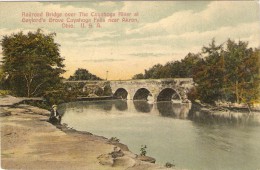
{"x": 154, "y": 72}
{"x": 32, "y": 62}
{"x": 242, "y": 66}
{"x": 138, "y": 76}
{"x": 176, "y": 69}
{"x": 60, "y": 95}
{"x": 184, "y": 68}
{"x": 189, "y": 63}
{"x": 83, "y": 74}
{"x": 209, "y": 76}
{"x": 249, "y": 87}
{"x": 2, "y": 77}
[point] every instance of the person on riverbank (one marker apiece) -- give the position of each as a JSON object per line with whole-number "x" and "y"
{"x": 55, "y": 117}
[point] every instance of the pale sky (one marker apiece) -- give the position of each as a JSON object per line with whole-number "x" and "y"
{"x": 166, "y": 31}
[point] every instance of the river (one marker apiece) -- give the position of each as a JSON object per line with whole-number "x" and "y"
{"x": 172, "y": 132}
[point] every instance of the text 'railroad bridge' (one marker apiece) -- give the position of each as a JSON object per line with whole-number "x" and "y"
{"x": 145, "y": 89}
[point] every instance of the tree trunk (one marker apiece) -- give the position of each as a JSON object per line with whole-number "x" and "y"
{"x": 27, "y": 85}
{"x": 28, "y": 91}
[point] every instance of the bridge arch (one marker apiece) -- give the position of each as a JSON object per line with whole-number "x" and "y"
{"x": 142, "y": 94}
{"x": 168, "y": 94}
{"x": 121, "y": 93}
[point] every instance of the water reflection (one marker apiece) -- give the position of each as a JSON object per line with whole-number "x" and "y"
{"x": 102, "y": 105}
{"x": 174, "y": 110}
{"x": 107, "y": 106}
{"x": 143, "y": 106}
{"x": 83, "y": 107}
{"x": 121, "y": 105}
{"x": 221, "y": 117}
{"x": 165, "y": 109}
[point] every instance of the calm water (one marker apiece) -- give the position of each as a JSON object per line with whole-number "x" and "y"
{"x": 174, "y": 133}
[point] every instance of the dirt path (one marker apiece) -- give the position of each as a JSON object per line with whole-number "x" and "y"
{"x": 28, "y": 141}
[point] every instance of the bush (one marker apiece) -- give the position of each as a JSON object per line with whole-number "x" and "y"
{"x": 40, "y": 104}
{"x": 169, "y": 165}
{"x": 143, "y": 150}
{"x": 59, "y": 96}
{"x": 192, "y": 94}
{"x": 114, "y": 139}
{"x": 5, "y": 92}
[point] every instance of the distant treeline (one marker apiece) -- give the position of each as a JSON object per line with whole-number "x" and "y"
{"x": 227, "y": 72}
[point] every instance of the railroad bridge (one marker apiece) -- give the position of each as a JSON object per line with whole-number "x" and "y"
{"x": 146, "y": 89}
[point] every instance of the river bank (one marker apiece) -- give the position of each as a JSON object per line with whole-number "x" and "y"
{"x": 28, "y": 141}
{"x": 222, "y": 113}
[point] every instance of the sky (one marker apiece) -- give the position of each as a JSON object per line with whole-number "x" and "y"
{"x": 165, "y": 31}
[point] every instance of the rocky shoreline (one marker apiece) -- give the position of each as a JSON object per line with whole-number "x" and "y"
{"x": 220, "y": 114}
{"x": 28, "y": 141}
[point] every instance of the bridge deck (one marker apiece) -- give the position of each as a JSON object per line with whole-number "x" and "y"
{"x": 131, "y": 80}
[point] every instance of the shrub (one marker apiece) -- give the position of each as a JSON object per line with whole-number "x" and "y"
{"x": 143, "y": 150}
{"x": 169, "y": 165}
{"x": 4, "y": 92}
{"x": 114, "y": 139}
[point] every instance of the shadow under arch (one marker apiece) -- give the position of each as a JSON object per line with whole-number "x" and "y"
{"x": 168, "y": 94}
{"x": 142, "y": 94}
{"x": 120, "y": 93}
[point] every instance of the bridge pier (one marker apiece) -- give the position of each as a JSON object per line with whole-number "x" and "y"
{"x": 129, "y": 97}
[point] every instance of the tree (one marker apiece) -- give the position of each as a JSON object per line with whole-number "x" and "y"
{"x": 2, "y": 77}
{"x": 32, "y": 62}
{"x": 189, "y": 63}
{"x": 138, "y": 76}
{"x": 209, "y": 73}
{"x": 154, "y": 72}
{"x": 250, "y": 85}
{"x": 242, "y": 66}
{"x": 83, "y": 74}
{"x": 173, "y": 69}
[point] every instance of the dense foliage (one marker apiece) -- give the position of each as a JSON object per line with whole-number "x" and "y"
{"x": 60, "y": 95}
{"x": 83, "y": 74}
{"x": 174, "y": 69}
{"x": 227, "y": 72}
{"x": 32, "y": 63}
{"x": 2, "y": 77}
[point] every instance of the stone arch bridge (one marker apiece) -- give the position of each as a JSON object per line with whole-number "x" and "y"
{"x": 146, "y": 89}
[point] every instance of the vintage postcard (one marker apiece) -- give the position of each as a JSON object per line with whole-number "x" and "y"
{"x": 130, "y": 85}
